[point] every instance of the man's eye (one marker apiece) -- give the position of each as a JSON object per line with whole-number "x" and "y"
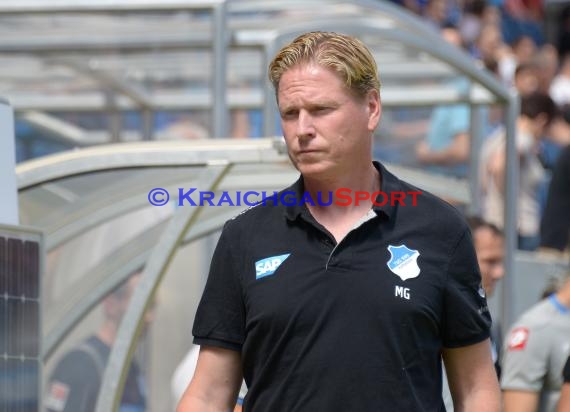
{"x": 289, "y": 114}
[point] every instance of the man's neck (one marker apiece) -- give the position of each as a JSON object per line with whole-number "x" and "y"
{"x": 334, "y": 217}
{"x": 563, "y": 295}
{"x": 107, "y": 333}
{"x": 363, "y": 179}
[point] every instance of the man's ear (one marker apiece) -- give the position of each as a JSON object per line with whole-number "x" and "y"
{"x": 374, "y": 109}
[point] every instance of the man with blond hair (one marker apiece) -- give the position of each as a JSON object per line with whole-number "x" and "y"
{"x": 341, "y": 307}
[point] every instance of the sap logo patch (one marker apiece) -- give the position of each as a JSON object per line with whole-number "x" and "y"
{"x": 403, "y": 261}
{"x": 268, "y": 266}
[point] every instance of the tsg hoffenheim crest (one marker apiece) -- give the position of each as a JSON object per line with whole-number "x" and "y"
{"x": 403, "y": 261}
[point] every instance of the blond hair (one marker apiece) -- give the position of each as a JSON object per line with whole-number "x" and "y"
{"x": 345, "y": 55}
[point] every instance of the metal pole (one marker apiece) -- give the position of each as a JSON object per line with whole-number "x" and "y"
{"x": 511, "y": 211}
{"x": 269, "y": 102}
{"x": 220, "y": 112}
{"x": 475, "y": 143}
{"x": 115, "y": 121}
{"x": 147, "y": 125}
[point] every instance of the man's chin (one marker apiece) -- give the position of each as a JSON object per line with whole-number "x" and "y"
{"x": 310, "y": 169}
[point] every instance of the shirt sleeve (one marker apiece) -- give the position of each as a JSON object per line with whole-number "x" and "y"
{"x": 566, "y": 372}
{"x": 459, "y": 121}
{"x": 466, "y": 315}
{"x": 220, "y": 318}
{"x": 525, "y": 360}
{"x": 74, "y": 385}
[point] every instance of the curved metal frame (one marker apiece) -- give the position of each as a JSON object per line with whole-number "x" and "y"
{"x": 116, "y": 372}
{"x": 133, "y": 155}
{"x": 87, "y": 302}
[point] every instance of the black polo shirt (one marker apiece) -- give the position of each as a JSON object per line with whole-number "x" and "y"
{"x": 355, "y": 326}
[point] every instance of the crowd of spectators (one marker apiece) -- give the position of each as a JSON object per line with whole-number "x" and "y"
{"x": 507, "y": 37}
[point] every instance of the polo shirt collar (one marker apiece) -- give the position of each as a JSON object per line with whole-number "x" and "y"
{"x": 388, "y": 184}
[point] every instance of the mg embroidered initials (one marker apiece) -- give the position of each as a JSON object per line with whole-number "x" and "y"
{"x": 402, "y": 292}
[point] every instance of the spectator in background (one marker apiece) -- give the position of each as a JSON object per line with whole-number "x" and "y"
{"x": 75, "y": 382}
{"x": 472, "y": 19}
{"x": 537, "y": 113}
{"x": 526, "y": 79}
{"x": 446, "y": 147}
{"x": 489, "y": 247}
{"x": 525, "y": 10}
{"x": 560, "y": 87}
{"x": 435, "y": 13}
{"x": 564, "y": 403}
{"x": 488, "y": 42}
{"x": 490, "y": 45}
{"x": 523, "y": 51}
{"x": 557, "y": 138}
{"x": 546, "y": 60}
{"x": 555, "y": 225}
{"x": 535, "y": 351}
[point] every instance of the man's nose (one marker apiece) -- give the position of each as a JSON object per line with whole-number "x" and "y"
{"x": 305, "y": 126}
{"x": 499, "y": 271}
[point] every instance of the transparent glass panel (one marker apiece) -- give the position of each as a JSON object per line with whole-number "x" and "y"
{"x": 74, "y": 373}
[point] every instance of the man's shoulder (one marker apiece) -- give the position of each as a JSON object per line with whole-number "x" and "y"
{"x": 538, "y": 316}
{"x": 442, "y": 215}
{"x": 75, "y": 368}
{"x": 265, "y": 211}
{"x": 253, "y": 215}
{"x": 533, "y": 331}
{"x": 83, "y": 359}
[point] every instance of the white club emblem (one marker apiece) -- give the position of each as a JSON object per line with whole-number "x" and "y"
{"x": 403, "y": 261}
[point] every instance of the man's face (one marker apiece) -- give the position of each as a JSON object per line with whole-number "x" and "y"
{"x": 326, "y": 127}
{"x": 117, "y": 304}
{"x": 489, "y": 41}
{"x": 490, "y": 255}
{"x": 526, "y": 82}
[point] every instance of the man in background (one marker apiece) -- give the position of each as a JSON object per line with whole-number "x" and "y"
{"x": 535, "y": 351}
{"x": 489, "y": 246}
{"x": 74, "y": 384}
